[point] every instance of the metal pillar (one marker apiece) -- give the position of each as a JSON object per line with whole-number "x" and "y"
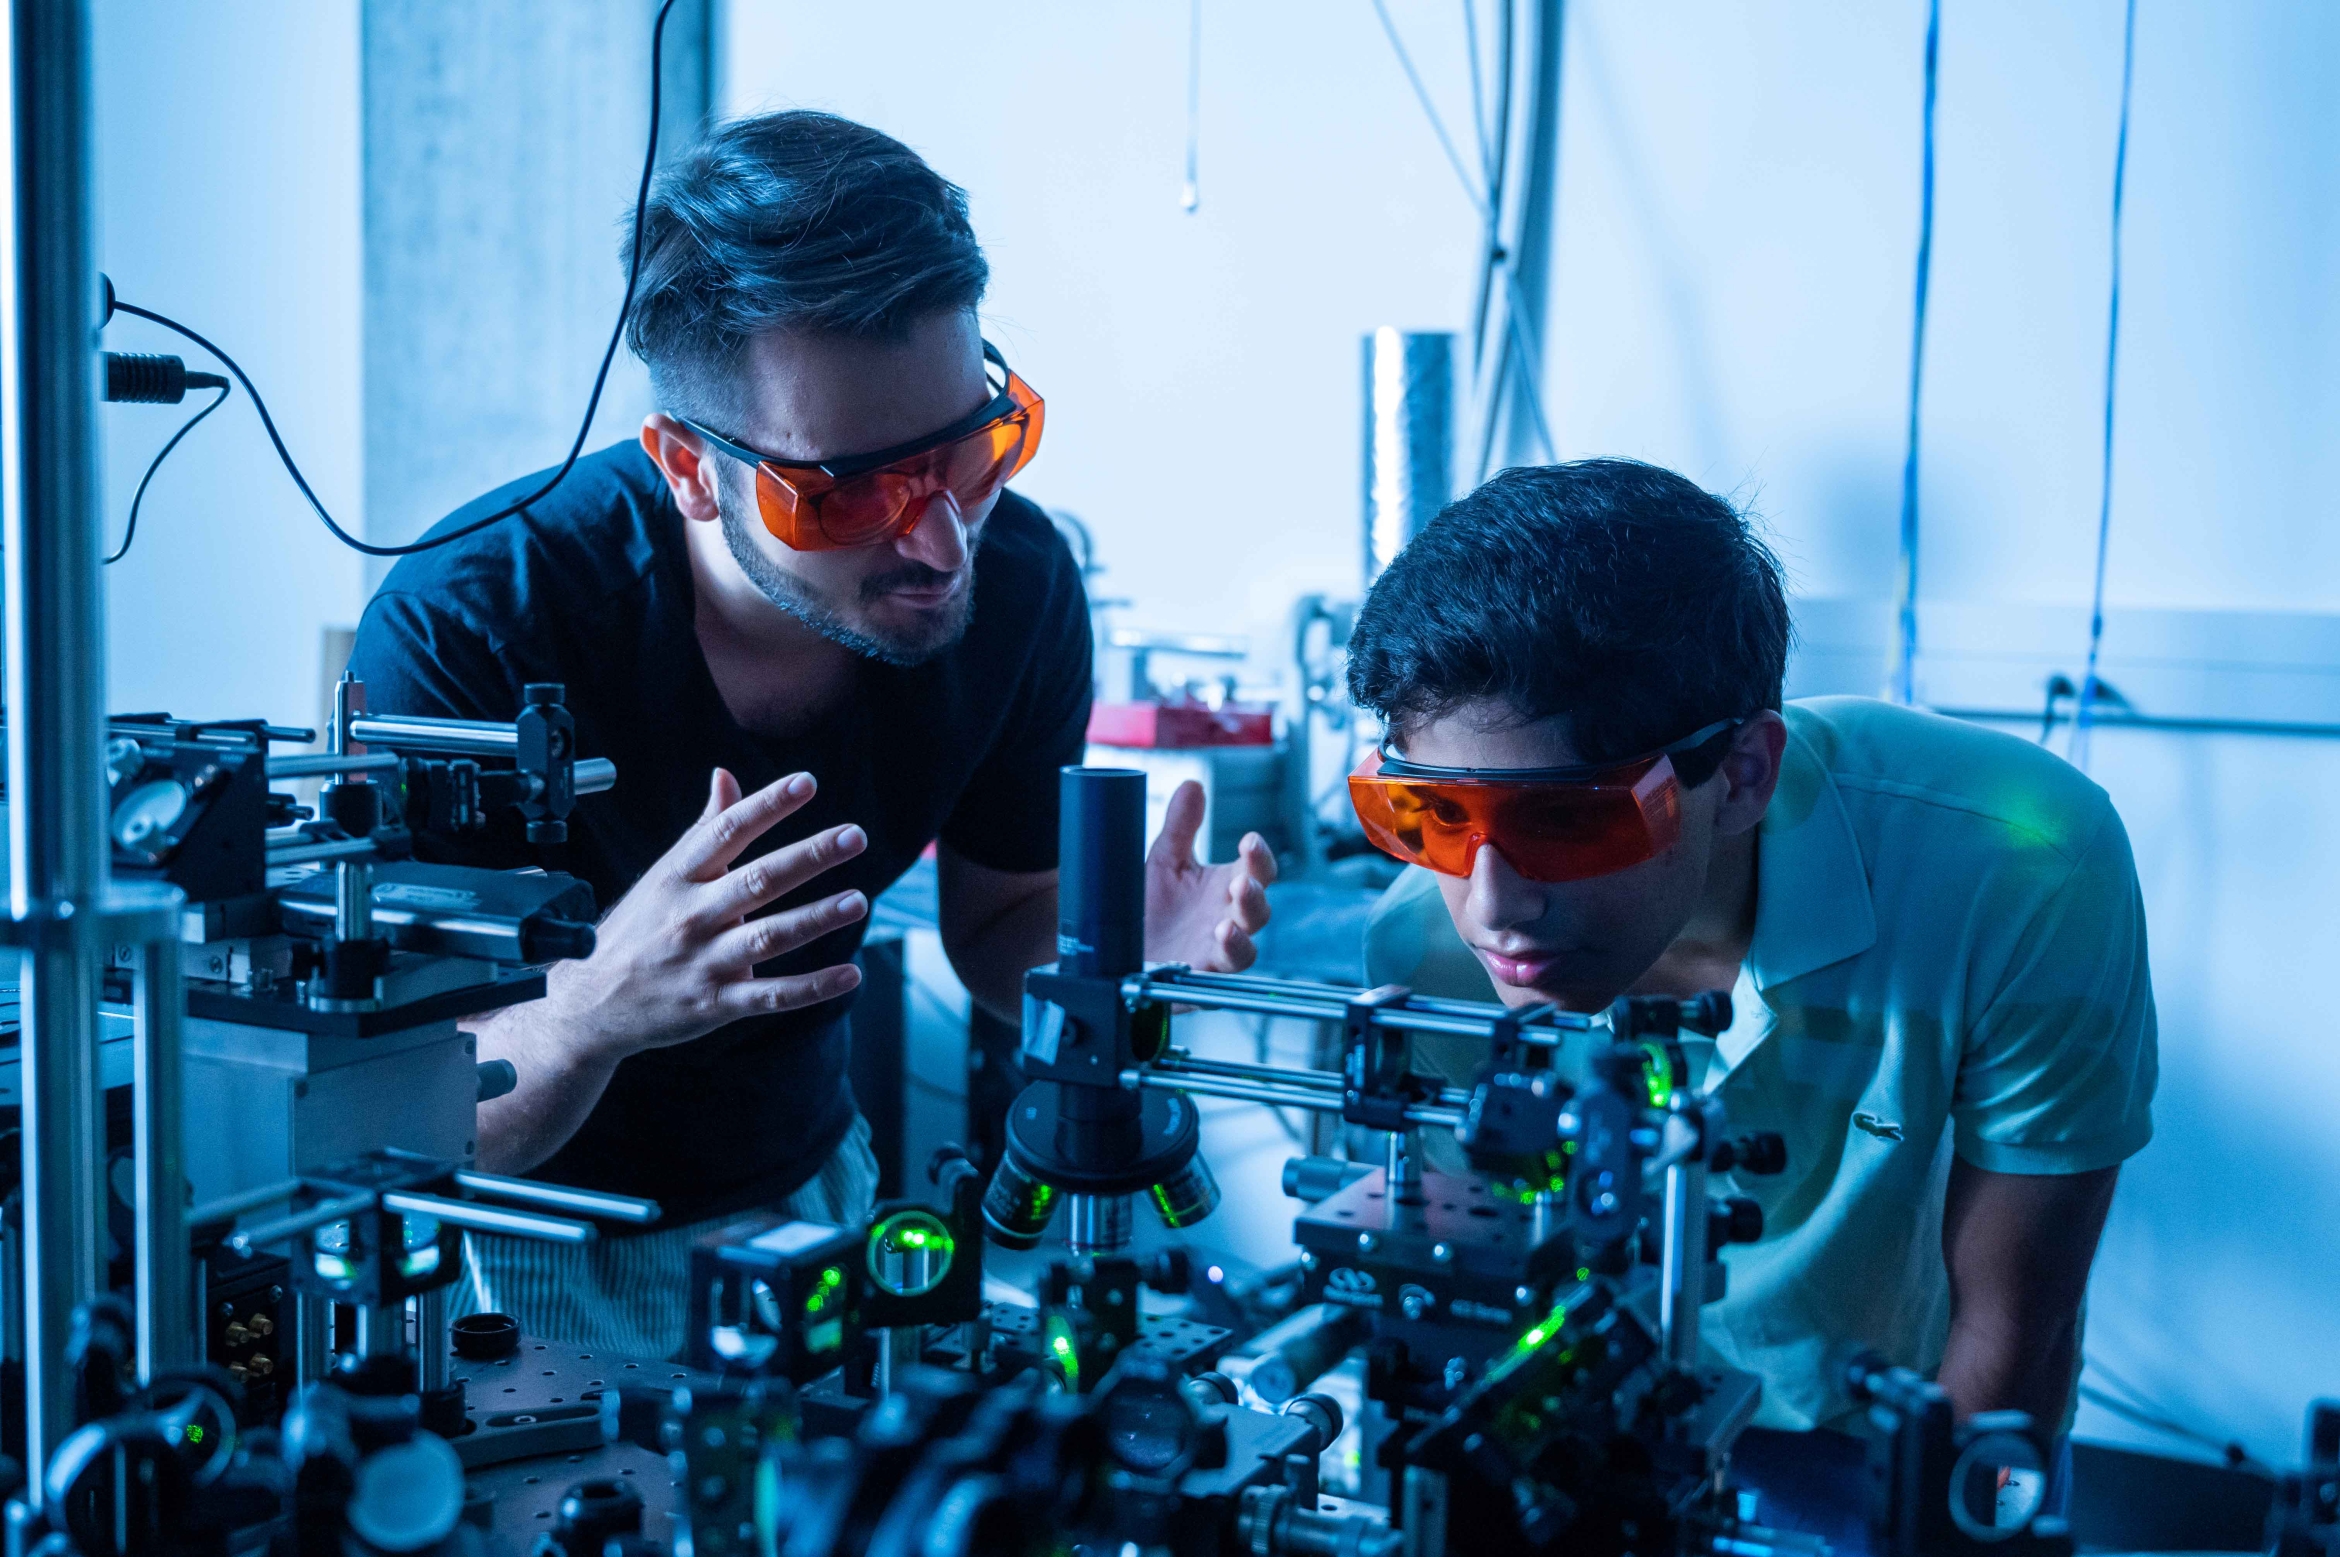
{"x": 55, "y": 681}
{"x": 168, "y": 1326}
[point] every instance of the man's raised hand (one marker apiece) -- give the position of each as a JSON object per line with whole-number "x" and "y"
{"x": 676, "y": 958}
{"x": 1204, "y": 915}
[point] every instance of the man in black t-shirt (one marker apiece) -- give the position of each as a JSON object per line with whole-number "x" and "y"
{"x": 816, "y": 635}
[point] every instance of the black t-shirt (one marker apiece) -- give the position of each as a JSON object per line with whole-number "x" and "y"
{"x": 592, "y": 588}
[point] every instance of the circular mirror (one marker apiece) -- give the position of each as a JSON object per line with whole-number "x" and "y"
{"x": 1996, "y": 1486}
{"x": 910, "y": 1253}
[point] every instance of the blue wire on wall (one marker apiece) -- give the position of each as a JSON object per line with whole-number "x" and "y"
{"x": 1903, "y": 684}
{"x": 2090, "y": 688}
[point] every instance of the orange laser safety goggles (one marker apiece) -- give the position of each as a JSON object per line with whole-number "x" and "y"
{"x": 1550, "y": 824}
{"x": 870, "y": 498}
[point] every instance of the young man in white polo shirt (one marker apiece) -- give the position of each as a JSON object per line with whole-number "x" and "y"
{"x": 1933, "y": 933}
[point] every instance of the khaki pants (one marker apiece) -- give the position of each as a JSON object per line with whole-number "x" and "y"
{"x": 628, "y": 1294}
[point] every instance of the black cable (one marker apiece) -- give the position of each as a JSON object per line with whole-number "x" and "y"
{"x": 130, "y": 532}
{"x": 592, "y": 404}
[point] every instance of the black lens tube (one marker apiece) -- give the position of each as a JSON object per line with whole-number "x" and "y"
{"x": 1101, "y": 881}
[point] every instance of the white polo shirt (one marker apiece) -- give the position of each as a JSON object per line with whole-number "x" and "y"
{"x": 1949, "y": 955}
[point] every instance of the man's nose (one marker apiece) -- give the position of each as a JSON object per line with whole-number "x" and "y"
{"x": 1500, "y": 898}
{"x": 939, "y": 538}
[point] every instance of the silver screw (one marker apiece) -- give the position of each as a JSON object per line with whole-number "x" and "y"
{"x": 1443, "y": 1253}
{"x": 1366, "y": 1241}
{"x": 1416, "y": 1302}
{"x": 1523, "y": 1296}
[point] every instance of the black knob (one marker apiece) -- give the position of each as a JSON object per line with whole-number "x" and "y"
{"x": 485, "y": 1337}
{"x": 1710, "y": 1013}
{"x": 1321, "y": 1412}
{"x": 1211, "y": 1389}
{"x": 1762, "y": 1153}
{"x": 538, "y": 694}
{"x": 1736, "y": 1220}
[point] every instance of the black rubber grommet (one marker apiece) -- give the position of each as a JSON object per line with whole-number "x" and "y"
{"x": 485, "y": 1337}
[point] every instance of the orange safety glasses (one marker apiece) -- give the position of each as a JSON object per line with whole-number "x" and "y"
{"x": 870, "y": 498}
{"x": 1550, "y": 824}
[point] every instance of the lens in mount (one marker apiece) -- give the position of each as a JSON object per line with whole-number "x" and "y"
{"x": 1017, "y": 1206}
{"x": 1188, "y": 1195}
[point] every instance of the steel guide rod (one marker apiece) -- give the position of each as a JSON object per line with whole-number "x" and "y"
{"x": 1274, "y": 1097}
{"x": 1329, "y": 1003}
{"x": 55, "y": 684}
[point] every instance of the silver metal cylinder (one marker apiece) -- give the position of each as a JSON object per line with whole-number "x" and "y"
{"x": 1097, "y": 1224}
{"x": 434, "y": 1366}
{"x": 313, "y": 1359}
{"x": 1409, "y": 437}
{"x": 1682, "y": 1262}
{"x": 381, "y": 1329}
{"x": 1401, "y": 1152}
{"x": 899, "y": 1349}
{"x": 167, "y": 1320}
{"x": 55, "y": 683}
{"x": 353, "y": 900}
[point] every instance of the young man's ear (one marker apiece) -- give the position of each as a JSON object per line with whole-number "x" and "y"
{"x": 1750, "y": 772}
{"x": 688, "y": 464}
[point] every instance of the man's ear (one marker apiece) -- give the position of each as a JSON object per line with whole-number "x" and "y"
{"x": 683, "y": 457}
{"x": 1750, "y": 772}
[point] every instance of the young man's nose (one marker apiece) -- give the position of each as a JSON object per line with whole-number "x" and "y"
{"x": 939, "y": 538}
{"x": 1501, "y": 898}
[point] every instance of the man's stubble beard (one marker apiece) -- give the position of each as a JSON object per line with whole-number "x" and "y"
{"x": 943, "y": 627}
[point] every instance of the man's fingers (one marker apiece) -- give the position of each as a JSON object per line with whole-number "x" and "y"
{"x": 743, "y": 891}
{"x": 1257, "y": 859}
{"x": 722, "y": 791}
{"x": 1235, "y": 951}
{"x": 1247, "y": 901}
{"x": 759, "y": 940}
{"x": 1181, "y": 821}
{"x": 709, "y": 847}
{"x": 761, "y": 997}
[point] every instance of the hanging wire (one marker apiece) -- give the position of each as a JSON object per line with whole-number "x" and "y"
{"x": 1470, "y": 185}
{"x": 1526, "y": 372}
{"x": 2083, "y": 710}
{"x": 1903, "y": 685}
{"x": 1191, "y": 198}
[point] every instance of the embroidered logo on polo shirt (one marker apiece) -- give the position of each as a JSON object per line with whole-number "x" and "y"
{"x": 1882, "y": 1129}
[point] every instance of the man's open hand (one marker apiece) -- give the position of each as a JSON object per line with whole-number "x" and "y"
{"x": 676, "y": 958}
{"x": 1203, "y": 915}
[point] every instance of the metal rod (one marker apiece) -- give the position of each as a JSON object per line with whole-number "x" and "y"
{"x": 228, "y": 1207}
{"x": 55, "y": 679}
{"x": 592, "y": 775}
{"x": 166, "y": 1312}
{"x": 1399, "y": 1153}
{"x": 1097, "y": 1224}
{"x": 488, "y": 1219}
{"x": 1682, "y": 1262}
{"x": 330, "y": 849}
{"x": 433, "y": 1365}
{"x": 381, "y": 1329}
{"x": 318, "y": 764}
{"x": 463, "y": 737}
{"x": 2171, "y": 723}
{"x": 1180, "y": 1063}
{"x": 246, "y": 1239}
{"x": 1244, "y": 1092}
{"x": 313, "y": 1359}
{"x": 560, "y": 1197}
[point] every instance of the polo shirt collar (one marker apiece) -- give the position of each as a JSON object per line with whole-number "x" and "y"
{"x": 1812, "y": 903}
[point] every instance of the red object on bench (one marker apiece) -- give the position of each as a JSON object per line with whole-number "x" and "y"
{"x": 1181, "y": 724}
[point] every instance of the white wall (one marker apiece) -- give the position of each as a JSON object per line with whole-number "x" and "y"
{"x": 1735, "y": 239}
{"x": 228, "y": 180}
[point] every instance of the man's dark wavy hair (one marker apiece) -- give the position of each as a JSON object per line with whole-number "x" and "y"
{"x": 1615, "y": 595}
{"x": 793, "y": 221}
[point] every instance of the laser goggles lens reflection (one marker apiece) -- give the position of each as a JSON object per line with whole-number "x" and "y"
{"x": 1550, "y": 825}
{"x": 873, "y": 498}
